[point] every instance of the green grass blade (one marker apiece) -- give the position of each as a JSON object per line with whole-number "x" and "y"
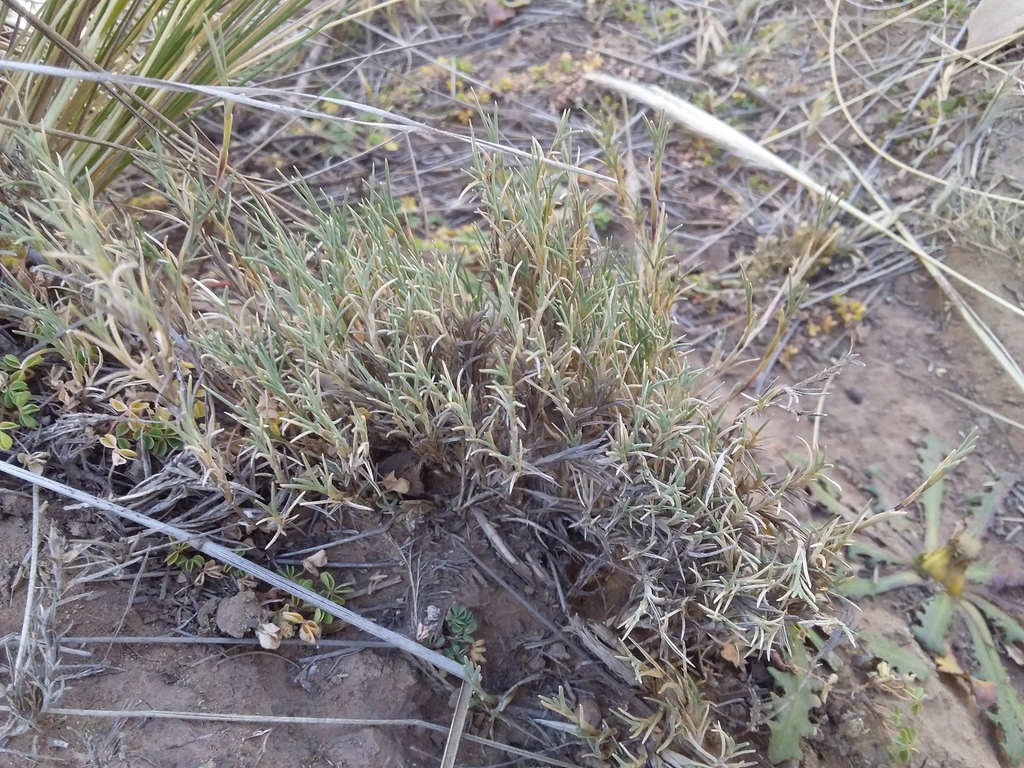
{"x": 981, "y": 573}
{"x": 930, "y": 456}
{"x": 898, "y": 657}
{"x": 791, "y": 721}
{"x": 877, "y": 555}
{"x": 160, "y": 40}
{"x": 984, "y": 507}
{"x": 931, "y": 491}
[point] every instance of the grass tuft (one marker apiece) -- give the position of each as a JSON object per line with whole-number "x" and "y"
{"x": 335, "y": 365}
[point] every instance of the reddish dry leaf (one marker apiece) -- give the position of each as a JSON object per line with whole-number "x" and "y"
{"x": 731, "y": 653}
{"x": 984, "y": 692}
{"x": 269, "y": 636}
{"x": 309, "y": 631}
{"x": 315, "y": 562}
{"x": 1016, "y": 654}
{"x": 497, "y": 13}
{"x": 589, "y": 713}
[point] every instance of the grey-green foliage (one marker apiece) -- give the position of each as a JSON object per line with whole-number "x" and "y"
{"x": 539, "y": 383}
{"x": 544, "y": 382}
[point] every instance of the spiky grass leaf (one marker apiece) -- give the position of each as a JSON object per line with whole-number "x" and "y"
{"x": 545, "y": 377}
{"x": 1012, "y": 629}
{"x": 877, "y": 555}
{"x": 930, "y": 457}
{"x": 543, "y": 387}
{"x": 724, "y": 135}
{"x": 95, "y": 128}
{"x": 985, "y": 505}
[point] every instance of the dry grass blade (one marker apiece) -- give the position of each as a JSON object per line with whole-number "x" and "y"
{"x": 880, "y": 151}
{"x": 25, "y": 696}
{"x": 260, "y": 98}
{"x": 942, "y": 469}
{"x": 710, "y": 127}
{"x": 457, "y": 730}
{"x": 249, "y": 718}
{"x": 994, "y": 23}
{"x": 981, "y": 408}
{"x": 325, "y": 642}
{"x": 226, "y": 556}
{"x": 37, "y": 671}
{"x": 536, "y": 378}
{"x": 30, "y": 592}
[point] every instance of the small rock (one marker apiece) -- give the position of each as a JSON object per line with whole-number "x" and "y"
{"x": 239, "y": 614}
{"x": 558, "y": 651}
{"x": 207, "y": 614}
{"x": 535, "y": 663}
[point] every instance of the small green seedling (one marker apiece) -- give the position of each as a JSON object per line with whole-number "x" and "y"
{"x": 15, "y": 396}
{"x": 898, "y": 723}
{"x": 593, "y": 732}
{"x": 149, "y": 427}
{"x": 6, "y": 441}
{"x": 330, "y": 588}
{"x": 961, "y": 593}
{"x": 334, "y": 592}
{"x": 454, "y": 638}
{"x": 181, "y": 556}
{"x": 293, "y": 573}
{"x": 903, "y": 745}
{"x": 801, "y": 690}
{"x": 903, "y": 737}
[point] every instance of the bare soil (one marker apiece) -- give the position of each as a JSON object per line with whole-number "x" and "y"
{"x": 881, "y": 407}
